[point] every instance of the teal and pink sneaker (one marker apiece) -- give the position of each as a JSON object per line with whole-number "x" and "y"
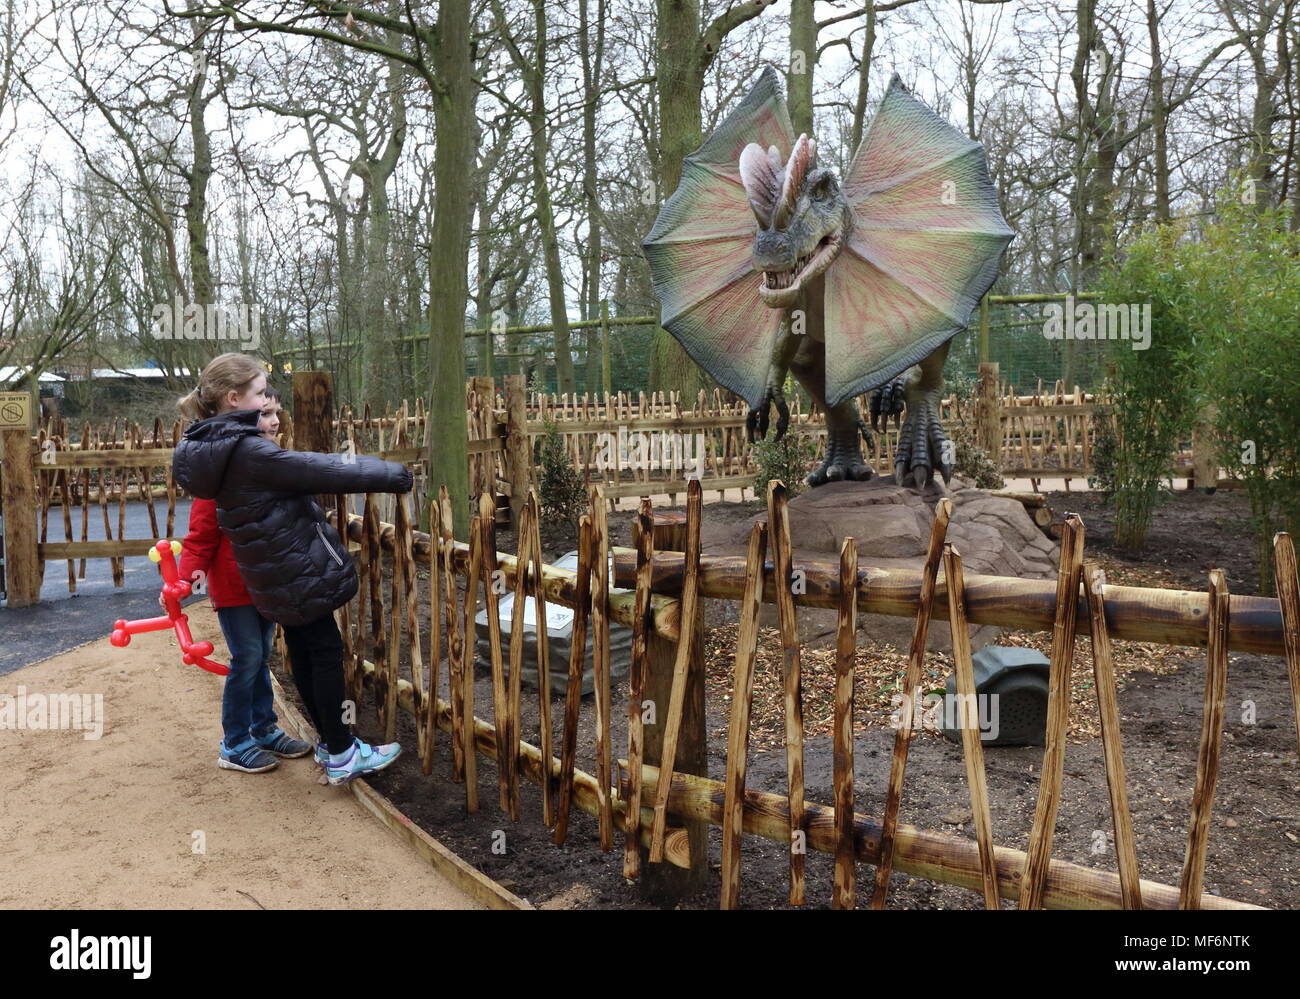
{"x": 362, "y": 759}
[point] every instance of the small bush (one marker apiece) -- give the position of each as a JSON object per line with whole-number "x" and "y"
{"x": 1156, "y": 389}
{"x": 1104, "y": 447}
{"x": 787, "y": 460}
{"x": 562, "y": 493}
{"x": 1245, "y": 274}
{"x": 969, "y": 459}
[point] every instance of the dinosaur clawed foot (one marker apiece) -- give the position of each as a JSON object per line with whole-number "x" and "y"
{"x": 840, "y": 470}
{"x": 923, "y": 448}
{"x": 888, "y": 401}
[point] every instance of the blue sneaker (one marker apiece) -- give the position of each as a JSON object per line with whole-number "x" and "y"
{"x": 282, "y": 744}
{"x": 362, "y": 759}
{"x": 253, "y": 760}
{"x": 321, "y": 756}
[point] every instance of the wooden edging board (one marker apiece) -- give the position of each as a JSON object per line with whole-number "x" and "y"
{"x": 464, "y": 876}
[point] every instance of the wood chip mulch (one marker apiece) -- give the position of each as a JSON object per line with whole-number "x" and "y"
{"x": 879, "y": 672}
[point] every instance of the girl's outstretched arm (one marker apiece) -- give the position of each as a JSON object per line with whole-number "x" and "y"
{"x": 319, "y": 472}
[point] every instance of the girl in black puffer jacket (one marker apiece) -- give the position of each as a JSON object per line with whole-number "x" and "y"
{"x": 295, "y": 566}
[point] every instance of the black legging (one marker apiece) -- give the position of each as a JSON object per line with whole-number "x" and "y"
{"x": 316, "y": 660}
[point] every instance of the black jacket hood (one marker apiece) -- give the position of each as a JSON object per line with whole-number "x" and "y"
{"x": 200, "y": 460}
{"x": 292, "y": 561}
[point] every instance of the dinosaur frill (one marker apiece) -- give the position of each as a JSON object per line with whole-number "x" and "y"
{"x": 923, "y": 247}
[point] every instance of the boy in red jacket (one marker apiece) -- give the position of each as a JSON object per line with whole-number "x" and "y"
{"x": 252, "y": 737}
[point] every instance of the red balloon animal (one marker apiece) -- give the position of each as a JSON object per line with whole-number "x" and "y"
{"x": 174, "y": 590}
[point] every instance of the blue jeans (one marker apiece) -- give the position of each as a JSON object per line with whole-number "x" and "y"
{"x": 247, "y": 714}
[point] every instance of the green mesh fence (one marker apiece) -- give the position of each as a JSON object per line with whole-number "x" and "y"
{"x": 1016, "y": 341}
{"x": 1024, "y": 355}
{"x": 630, "y": 351}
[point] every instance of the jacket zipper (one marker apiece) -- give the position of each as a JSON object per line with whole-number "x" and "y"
{"x": 328, "y": 547}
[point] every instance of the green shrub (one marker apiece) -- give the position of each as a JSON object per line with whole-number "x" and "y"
{"x": 1155, "y": 390}
{"x": 1225, "y": 341}
{"x": 969, "y": 459}
{"x": 787, "y": 460}
{"x": 562, "y": 493}
{"x": 1245, "y": 273}
{"x": 1104, "y": 446}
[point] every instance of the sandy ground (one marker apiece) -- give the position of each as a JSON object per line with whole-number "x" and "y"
{"x": 115, "y": 822}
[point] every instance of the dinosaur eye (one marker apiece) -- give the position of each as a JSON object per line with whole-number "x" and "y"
{"x": 823, "y": 189}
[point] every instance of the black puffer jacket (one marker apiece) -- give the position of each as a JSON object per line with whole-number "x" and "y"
{"x": 294, "y": 564}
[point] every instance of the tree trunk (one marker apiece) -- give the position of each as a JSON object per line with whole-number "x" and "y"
{"x": 592, "y": 61}
{"x": 377, "y": 365}
{"x": 535, "y": 78}
{"x": 864, "y": 70}
{"x": 679, "y": 81}
{"x": 196, "y": 204}
{"x": 1158, "y": 115}
{"x": 449, "y": 260}
{"x": 803, "y": 60}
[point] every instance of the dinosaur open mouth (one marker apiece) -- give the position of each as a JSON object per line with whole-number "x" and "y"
{"x": 809, "y": 265}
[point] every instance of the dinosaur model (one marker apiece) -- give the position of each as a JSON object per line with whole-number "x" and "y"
{"x": 765, "y": 263}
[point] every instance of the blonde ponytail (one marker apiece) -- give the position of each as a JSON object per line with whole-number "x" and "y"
{"x": 230, "y": 372}
{"x": 192, "y": 406}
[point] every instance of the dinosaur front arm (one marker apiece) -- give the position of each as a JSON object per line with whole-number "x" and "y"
{"x": 783, "y": 350}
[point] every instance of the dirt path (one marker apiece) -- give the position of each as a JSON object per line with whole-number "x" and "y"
{"x": 111, "y": 822}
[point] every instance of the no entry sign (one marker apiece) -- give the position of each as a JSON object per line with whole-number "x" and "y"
{"x": 15, "y": 410}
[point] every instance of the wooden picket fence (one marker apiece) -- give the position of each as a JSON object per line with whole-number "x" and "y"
{"x": 658, "y": 826}
{"x": 1048, "y": 433}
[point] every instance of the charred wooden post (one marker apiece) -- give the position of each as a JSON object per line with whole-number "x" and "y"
{"x": 378, "y": 638}
{"x": 313, "y": 416}
{"x": 455, "y": 641}
{"x": 1288, "y": 593}
{"x": 742, "y": 696}
{"x": 1039, "y": 854}
{"x": 600, "y": 661}
{"x": 643, "y": 537}
{"x": 1103, "y": 671}
{"x": 573, "y": 692}
{"x": 845, "y": 890}
{"x": 911, "y": 698}
{"x": 522, "y": 580}
{"x": 778, "y": 522}
{"x": 682, "y": 664}
{"x": 465, "y": 681}
{"x": 988, "y": 415}
{"x": 22, "y": 563}
{"x": 660, "y": 883}
{"x": 426, "y": 720}
{"x": 1207, "y": 763}
{"x": 969, "y": 724}
{"x": 519, "y": 454}
{"x": 500, "y": 699}
{"x": 543, "y": 665}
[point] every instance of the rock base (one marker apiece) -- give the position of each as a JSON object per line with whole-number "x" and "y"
{"x": 891, "y": 525}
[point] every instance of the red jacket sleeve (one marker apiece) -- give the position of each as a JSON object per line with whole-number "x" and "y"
{"x": 201, "y": 543}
